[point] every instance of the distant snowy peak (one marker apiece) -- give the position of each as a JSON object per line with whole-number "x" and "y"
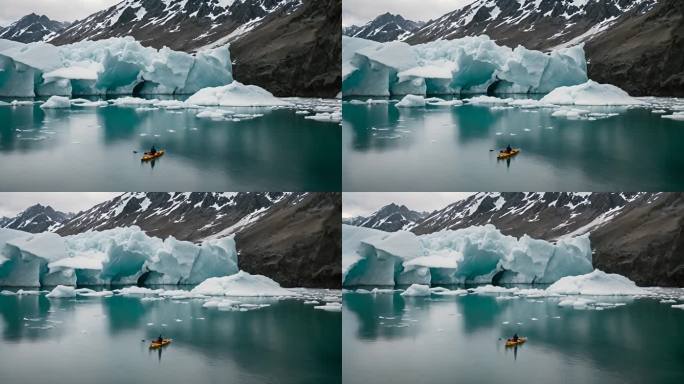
{"x": 35, "y": 219}
{"x": 536, "y": 24}
{"x": 32, "y": 28}
{"x": 389, "y": 218}
{"x": 384, "y": 28}
{"x": 186, "y": 216}
{"x": 179, "y": 24}
{"x": 545, "y": 215}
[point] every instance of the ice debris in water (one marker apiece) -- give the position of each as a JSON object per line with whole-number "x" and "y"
{"x": 466, "y": 65}
{"x": 330, "y": 307}
{"x": 235, "y": 94}
{"x": 55, "y": 102}
{"x": 478, "y": 254}
{"x": 417, "y": 290}
{"x": 108, "y": 67}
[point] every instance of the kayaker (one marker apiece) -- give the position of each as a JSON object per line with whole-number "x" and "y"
{"x": 509, "y": 149}
{"x": 153, "y": 150}
{"x": 160, "y": 339}
{"x": 515, "y": 338}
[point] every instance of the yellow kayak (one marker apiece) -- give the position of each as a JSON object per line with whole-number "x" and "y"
{"x": 151, "y": 156}
{"x": 512, "y": 343}
{"x": 506, "y": 155}
{"x": 155, "y": 345}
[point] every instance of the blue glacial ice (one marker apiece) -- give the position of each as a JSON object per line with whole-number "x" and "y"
{"x": 112, "y": 66}
{"x": 115, "y": 256}
{"x": 479, "y": 254}
{"x": 461, "y": 66}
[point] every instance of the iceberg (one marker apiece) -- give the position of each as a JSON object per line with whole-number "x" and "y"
{"x": 108, "y": 67}
{"x": 57, "y": 102}
{"x": 460, "y": 66}
{"x": 115, "y": 256}
{"x": 596, "y": 283}
{"x": 416, "y": 290}
{"x": 590, "y": 93}
{"x": 478, "y": 254}
{"x": 411, "y": 101}
{"x": 241, "y": 284}
{"x": 236, "y": 94}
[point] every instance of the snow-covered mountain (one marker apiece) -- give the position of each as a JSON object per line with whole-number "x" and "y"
{"x": 293, "y": 238}
{"x": 630, "y": 43}
{"x": 285, "y": 46}
{"x": 37, "y": 218}
{"x": 31, "y": 28}
{"x": 390, "y": 218}
{"x": 386, "y": 27}
{"x": 537, "y": 24}
{"x": 639, "y": 235}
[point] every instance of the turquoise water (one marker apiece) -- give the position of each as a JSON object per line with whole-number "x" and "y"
{"x": 93, "y": 149}
{"x": 385, "y": 148}
{"x": 461, "y": 340}
{"x": 105, "y": 340}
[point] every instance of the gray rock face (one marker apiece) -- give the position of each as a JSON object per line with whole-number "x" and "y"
{"x": 289, "y": 47}
{"x": 35, "y": 219}
{"x": 32, "y": 28}
{"x": 386, "y": 27}
{"x": 638, "y": 235}
{"x": 298, "y": 245}
{"x": 634, "y": 44}
{"x": 293, "y": 238}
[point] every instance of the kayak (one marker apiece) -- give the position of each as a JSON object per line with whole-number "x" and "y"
{"x": 155, "y": 345}
{"x": 506, "y": 155}
{"x": 511, "y": 343}
{"x": 151, "y": 156}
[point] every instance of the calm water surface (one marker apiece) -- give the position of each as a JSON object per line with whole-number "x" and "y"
{"x": 386, "y": 148}
{"x": 92, "y": 149}
{"x": 100, "y": 340}
{"x": 459, "y": 340}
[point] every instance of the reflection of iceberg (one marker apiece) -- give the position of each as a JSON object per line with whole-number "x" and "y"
{"x": 470, "y": 255}
{"x": 110, "y": 66}
{"x": 116, "y": 256}
{"x": 466, "y": 65}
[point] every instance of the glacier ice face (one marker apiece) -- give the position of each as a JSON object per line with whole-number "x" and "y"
{"x": 479, "y": 254}
{"x": 459, "y": 66}
{"x": 115, "y": 256}
{"x": 110, "y": 66}
{"x": 590, "y": 93}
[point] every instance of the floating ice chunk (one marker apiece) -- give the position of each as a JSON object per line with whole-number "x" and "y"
{"x": 417, "y": 290}
{"x": 596, "y": 283}
{"x": 675, "y": 116}
{"x": 577, "y": 303}
{"x": 235, "y": 94}
{"x": 489, "y": 289}
{"x": 436, "y": 102}
{"x": 678, "y": 306}
{"x": 88, "y": 104}
{"x": 56, "y": 102}
{"x": 487, "y": 100}
{"x": 133, "y": 101}
{"x": 411, "y": 101}
{"x": 590, "y": 93}
{"x": 241, "y": 284}
{"x": 134, "y": 291}
{"x": 330, "y": 307}
{"x": 334, "y": 117}
{"x": 311, "y": 302}
{"x": 61, "y": 291}
{"x": 448, "y": 292}
{"x": 658, "y": 111}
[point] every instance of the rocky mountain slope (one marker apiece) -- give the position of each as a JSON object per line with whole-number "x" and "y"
{"x": 389, "y": 218}
{"x": 32, "y": 28}
{"x": 634, "y": 44}
{"x": 639, "y": 235}
{"x": 293, "y": 238}
{"x": 286, "y": 46}
{"x": 37, "y": 218}
{"x": 386, "y": 27}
